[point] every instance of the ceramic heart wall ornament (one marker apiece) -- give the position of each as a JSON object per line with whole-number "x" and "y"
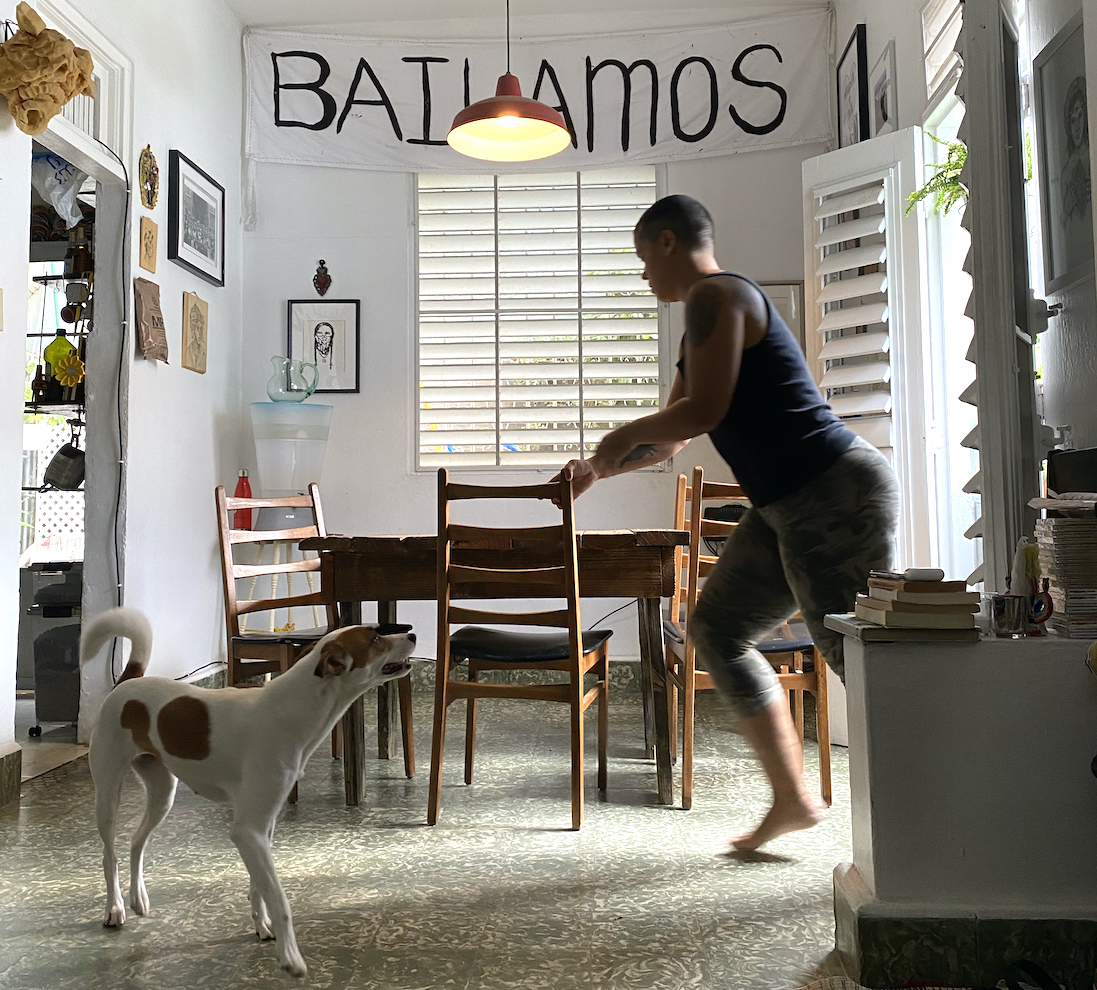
{"x": 321, "y": 281}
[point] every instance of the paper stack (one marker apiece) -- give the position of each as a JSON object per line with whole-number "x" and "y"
{"x": 920, "y": 600}
{"x": 1068, "y": 558}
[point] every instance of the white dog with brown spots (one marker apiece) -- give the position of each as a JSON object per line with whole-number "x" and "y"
{"x": 243, "y": 748}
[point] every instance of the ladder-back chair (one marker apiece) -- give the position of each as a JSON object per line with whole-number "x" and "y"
{"x": 514, "y": 562}
{"x": 789, "y": 648}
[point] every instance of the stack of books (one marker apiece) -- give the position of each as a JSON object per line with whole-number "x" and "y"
{"x": 1068, "y": 558}
{"x": 935, "y": 609}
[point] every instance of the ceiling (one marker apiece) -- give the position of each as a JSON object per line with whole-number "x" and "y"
{"x": 475, "y": 18}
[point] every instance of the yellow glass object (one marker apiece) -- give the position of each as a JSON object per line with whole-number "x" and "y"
{"x": 55, "y": 350}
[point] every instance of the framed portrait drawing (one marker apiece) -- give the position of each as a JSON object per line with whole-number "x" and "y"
{"x": 196, "y": 219}
{"x": 853, "y": 115}
{"x": 1062, "y": 140}
{"x": 881, "y": 89}
{"x": 325, "y": 332}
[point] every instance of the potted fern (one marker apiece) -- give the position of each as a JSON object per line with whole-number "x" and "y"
{"x": 944, "y": 183}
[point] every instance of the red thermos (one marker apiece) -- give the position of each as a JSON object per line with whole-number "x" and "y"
{"x": 241, "y": 518}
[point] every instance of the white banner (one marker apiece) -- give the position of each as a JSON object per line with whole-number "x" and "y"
{"x": 627, "y": 99}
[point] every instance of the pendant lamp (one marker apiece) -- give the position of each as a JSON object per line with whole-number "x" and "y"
{"x": 508, "y": 127}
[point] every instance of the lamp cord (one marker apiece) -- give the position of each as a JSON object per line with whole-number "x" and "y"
{"x": 508, "y": 37}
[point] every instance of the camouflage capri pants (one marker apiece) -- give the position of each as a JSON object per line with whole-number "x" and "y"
{"x": 811, "y": 550}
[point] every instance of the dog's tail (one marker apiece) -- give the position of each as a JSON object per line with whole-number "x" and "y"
{"x": 125, "y": 622}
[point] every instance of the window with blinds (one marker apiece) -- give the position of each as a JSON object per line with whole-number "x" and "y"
{"x": 851, "y": 238}
{"x": 537, "y": 335}
{"x": 941, "y": 24}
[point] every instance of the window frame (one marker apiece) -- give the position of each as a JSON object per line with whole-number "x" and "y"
{"x": 666, "y": 367}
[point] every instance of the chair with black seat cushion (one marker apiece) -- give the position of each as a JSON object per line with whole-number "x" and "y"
{"x": 789, "y": 647}
{"x": 253, "y": 653}
{"x": 481, "y": 562}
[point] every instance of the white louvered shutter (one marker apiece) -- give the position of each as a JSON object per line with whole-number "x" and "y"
{"x": 863, "y": 307}
{"x": 537, "y": 334}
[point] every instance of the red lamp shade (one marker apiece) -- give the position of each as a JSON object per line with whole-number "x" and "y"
{"x": 508, "y": 127}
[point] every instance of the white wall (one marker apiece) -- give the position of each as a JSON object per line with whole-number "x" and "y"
{"x": 183, "y": 434}
{"x": 14, "y": 216}
{"x": 360, "y": 223}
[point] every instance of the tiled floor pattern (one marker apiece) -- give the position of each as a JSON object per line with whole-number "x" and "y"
{"x": 498, "y": 895}
{"x": 55, "y": 746}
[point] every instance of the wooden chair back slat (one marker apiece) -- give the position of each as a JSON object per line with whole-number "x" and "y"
{"x": 558, "y": 618}
{"x": 455, "y": 492}
{"x": 237, "y": 536}
{"x": 241, "y": 571}
{"x": 495, "y": 534}
{"x": 543, "y": 577}
{"x": 244, "y": 605}
{"x": 288, "y": 502}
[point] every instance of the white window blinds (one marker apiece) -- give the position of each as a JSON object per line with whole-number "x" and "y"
{"x": 852, "y": 267}
{"x": 537, "y": 334}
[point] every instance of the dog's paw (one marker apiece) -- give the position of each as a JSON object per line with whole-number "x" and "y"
{"x": 139, "y": 900}
{"x": 294, "y": 964}
{"x": 116, "y": 916}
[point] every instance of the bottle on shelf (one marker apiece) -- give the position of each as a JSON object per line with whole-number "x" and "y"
{"x": 55, "y": 350}
{"x": 241, "y": 518}
{"x": 39, "y": 384}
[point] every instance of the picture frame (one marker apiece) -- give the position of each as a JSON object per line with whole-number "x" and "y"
{"x": 852, "y": 79}
{"x": 194, "y": 345}
{"x": 326, "y": 332}
{"x": 196, "y": 219}
{"x": 1062, "y": 144}
{"x": 881, "y": 87}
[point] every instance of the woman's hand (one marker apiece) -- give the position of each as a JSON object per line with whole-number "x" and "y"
{"x": 581, "y": 474}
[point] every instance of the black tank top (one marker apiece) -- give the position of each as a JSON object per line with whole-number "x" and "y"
{"x": 778, "y": 433}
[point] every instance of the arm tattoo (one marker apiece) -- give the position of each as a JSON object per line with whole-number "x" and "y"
{"x": 638, "y": 453}
{"x": 701, "y": 314}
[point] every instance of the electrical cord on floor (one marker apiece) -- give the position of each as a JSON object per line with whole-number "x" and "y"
{"x": 614, "y": 612}
{"x": 213, "y": 663}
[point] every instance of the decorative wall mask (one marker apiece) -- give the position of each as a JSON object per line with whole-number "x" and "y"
{"x": 40, "y": 71}
{"x": 148, "y": 177}
{"x": 321, "y": 281}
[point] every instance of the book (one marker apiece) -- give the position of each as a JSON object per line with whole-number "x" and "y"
{"x": 892, "y": 584}
{"x": 890, "y": 605}
{"x": 869, "y": 632}
{"x": 926, "y": 597}
{"x": 914, "y": 620}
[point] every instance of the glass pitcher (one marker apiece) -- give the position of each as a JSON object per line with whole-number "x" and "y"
{"x": 288, "y": 383}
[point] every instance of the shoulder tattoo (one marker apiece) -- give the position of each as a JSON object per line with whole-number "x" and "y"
{"x": 702, "y": 311}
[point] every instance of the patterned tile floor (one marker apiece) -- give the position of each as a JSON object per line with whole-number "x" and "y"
{"x": 498, "y": 895}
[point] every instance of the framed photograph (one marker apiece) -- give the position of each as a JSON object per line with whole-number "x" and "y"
{"x": 195, "y": 332}
{"x": 150, "y": 234}
{"x": 1062, "y": 141}
{"x": 882, "y": 90}
{"x": 853, "y": 116}
{"x": 325, "y": 332}
{"x": 196, "y": 219}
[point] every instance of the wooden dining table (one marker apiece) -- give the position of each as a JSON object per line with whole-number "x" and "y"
{"x": 623, "y": 563}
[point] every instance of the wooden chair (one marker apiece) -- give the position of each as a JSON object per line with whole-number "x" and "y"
{"x": 510, "y": 562}
{"x": 789, "y": 648}
{"x": 255, "y": 653}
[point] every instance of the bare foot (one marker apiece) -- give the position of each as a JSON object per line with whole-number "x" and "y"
{"x": 788, "y": 816}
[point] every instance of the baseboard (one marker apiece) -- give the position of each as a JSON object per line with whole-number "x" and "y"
{"x": 885, "y": 946}
{"x": 11, "y": 771}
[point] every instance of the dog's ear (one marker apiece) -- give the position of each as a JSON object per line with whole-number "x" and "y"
{"x": 334, "y": 660}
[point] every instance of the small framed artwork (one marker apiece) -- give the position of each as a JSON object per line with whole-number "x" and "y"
{"x": 195, "y": 332}
{"x": 882, "y": 89}
{"x": 325, "y": 332}
{"x": 150, "y": 234}
{"x": 853, "y": 115}
{"x": 1062, "y": 141}
{"x": 196, "y": 219}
